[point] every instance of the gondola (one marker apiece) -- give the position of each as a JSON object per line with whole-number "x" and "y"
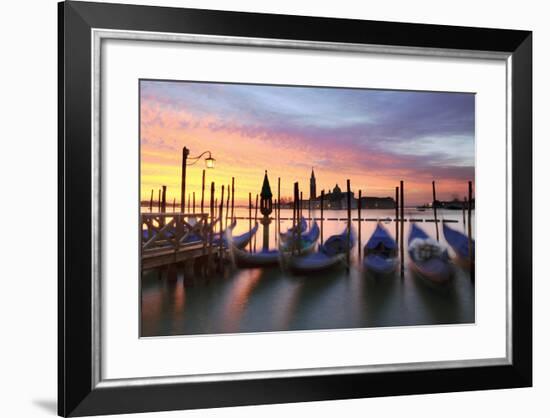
{"x": 459, "y": 243}
{"x": 216, "y": 235}
{"x": 302, "y": 225}
{"x": 380, "y": 252}
{"x": 263, "y": 258}
{"x": 310, "y": 235}
{"x": 330, "y": 255}
{"x": 427, "y": 258}
{"x": 240, "y": 241}
{"x": 266, "y": 258}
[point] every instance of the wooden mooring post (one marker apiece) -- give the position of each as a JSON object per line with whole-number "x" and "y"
{"x": 193, "y": 202}
{"x": 298, "y": 227}
{"x": 402, "y": 232}
{"x": 294, "y": 217}
{"x": 184, "y": 155}
{"x": 211, "y": 229}
{"x": 163, "y": 204}
{"x": 276, "y": 232}
{"x": 464, "y": 204}
{"x": 348, "y": 204}
{"x": 220, "y": 255}
{"x": 232, "y": 199}
{"x": 212, "y": 193}
{"x": 294, "y": 210}
{"x": 397, "y": 214}
{"x": 151, "y": 202}
{"x": 174, "y": 205}
{"x": 212, "y": 202}
{"x": 256, "y": 210}
{"x": 300, "y": 205}
{"x": 470, "y": 243}
{"x": 255, "y": 220}
{"x": 250, "y": 219}
{"x": 359, "y": 226}
{"x": 188, "y": 273}
{"x": 204, "y": 232}
{"x": 159, "y": 203}
{"x": 322, "y": 209}
{"x": 434, "y": 206}
{"x": 202, "y": 190}
{"x": 279, "y": 205}
{"x": 163, "y": 200}
{"x": 227, "y": 208}
{"x": 172, "y": 273}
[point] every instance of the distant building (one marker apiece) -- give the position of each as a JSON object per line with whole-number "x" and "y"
{"x": 312, "y": 186}
{"x": 337, "y": 199}
{"x": 454, "y": 204}
{"x": 369, "y": 202}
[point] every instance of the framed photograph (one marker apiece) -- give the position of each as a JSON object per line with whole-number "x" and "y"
{"x": 265, "y": 208}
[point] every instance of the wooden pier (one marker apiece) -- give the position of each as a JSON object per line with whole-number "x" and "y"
{"x": 173, "y": 238}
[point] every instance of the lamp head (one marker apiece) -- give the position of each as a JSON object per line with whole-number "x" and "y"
{"x": 210, "y": 162}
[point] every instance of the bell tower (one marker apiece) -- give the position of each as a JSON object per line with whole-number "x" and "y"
{"x": 312, "y": 186}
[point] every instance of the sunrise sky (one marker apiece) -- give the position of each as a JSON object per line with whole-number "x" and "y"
{"x": 373, "y": 137}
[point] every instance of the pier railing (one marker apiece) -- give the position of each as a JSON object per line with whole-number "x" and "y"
{"x": 189, "y": 239}
{"x": 173, "y": 230}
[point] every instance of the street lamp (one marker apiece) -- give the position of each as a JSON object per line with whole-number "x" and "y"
{"x": 266, "y": 207}
{"x": 209, "y": 161}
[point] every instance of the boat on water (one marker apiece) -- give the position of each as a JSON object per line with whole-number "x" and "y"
{"x": 301, "y": 226}
{"x": 380, "y": 252}
{"x": 310, "y": 235}
{"x": 264, "y": 258}
{"x": 240, "y": 241}
{"x": 331, "y": 254}
{"x": 427, "y": 258}
{"x": 459, "y": 243}
{"x": 267, "y": 258}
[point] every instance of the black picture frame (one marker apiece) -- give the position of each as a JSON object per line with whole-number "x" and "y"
{"x": 77, "y": 393}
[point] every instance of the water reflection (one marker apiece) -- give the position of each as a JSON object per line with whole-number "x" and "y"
{"x": 255, "y": 300}
{"x": 238, "y": 296}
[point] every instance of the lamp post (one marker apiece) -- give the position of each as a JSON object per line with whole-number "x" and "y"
{"x": 209, "y": 161}
{"x": 266, "y": 207}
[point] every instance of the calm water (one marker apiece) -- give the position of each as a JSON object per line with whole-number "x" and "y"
{"x": 254, "y": 300}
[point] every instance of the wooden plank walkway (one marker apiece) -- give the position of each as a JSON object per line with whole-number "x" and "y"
{"x": 162, "y": 257}
{"x": 170, "y": 238}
